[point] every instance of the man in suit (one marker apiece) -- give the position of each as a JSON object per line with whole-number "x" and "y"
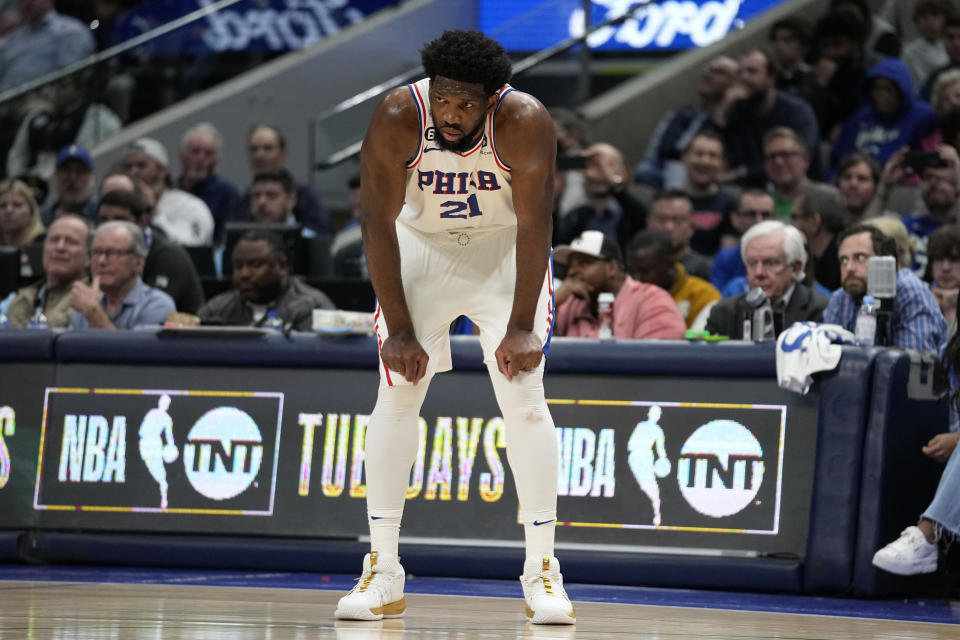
{"x": 775, "y": 258}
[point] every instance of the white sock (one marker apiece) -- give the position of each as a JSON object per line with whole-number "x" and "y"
{"x": 385, "y": 531}
{"x": 390, "y": 445}
{"x": 532, "y": 454}
{"x": 538, "y": 538}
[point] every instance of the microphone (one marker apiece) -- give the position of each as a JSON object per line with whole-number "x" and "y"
{"x": 882, "y": 285}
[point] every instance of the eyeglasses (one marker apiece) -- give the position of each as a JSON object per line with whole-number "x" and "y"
{"x": 859, "y": 258}
{"x": 755, "y": 213}
{"x": 109, "y": 254}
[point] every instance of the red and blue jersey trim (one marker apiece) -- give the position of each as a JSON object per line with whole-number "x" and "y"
{"x": 376, "y": 329}
{"x": 493, "y": 128}
{"x": 551, "y": 303}
{"x": 422, "y": 118}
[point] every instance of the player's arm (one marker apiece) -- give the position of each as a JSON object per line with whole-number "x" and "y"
{"x": 391, "y": 140}
{"x": 661, "y": 445}
{"x": 526, "y": 140}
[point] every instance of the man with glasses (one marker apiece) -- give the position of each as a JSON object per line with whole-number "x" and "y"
{"x": 786, "y": 161}
{"x": 916, "y": 321}
{"x": 775, "y": 259}
{"x": 754, "y": 206}
{"x": 672, "y": 213}
{"x": 117, "y": 298}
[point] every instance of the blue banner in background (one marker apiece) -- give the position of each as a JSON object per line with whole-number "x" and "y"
{"x": 531, "y": 25}
{"x": 249, "y": 25}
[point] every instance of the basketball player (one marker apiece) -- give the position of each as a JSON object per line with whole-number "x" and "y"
{"x": 456, "y": 191}
{"x": 648, "y": 436}
{"x": 156, "y": 426}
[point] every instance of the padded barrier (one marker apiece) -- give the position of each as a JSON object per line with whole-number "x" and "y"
{"x": 272, "y": 350}
{"x": 891, "y": 499}
{"x": 733, "y": 359}
{"x": 844, "y": 413}
{"x": 26, "y": 345}
{"x": 343, "y": 556}
{"x": 9, "y": 541}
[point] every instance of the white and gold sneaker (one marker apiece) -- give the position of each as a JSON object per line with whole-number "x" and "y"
{"x": 379, "y": 591}
{"x": 547, "y": 602}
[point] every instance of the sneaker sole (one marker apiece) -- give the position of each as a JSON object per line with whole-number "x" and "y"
{"x": 900, "y": 570}
{"x": 391, "y": 610}
{"x": 556, "y": 618}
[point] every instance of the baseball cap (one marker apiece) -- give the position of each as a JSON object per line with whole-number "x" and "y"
{"x": 590, "y": 243}
{"x": 74, "y": 151}
{"x": 152, "y": 148}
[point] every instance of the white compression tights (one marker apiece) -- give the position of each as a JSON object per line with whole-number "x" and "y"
{"x": 392, "y": 439}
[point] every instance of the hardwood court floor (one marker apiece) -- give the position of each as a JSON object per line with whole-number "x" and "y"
{"x": 46, "y": 610}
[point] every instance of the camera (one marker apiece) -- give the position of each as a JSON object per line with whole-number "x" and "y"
{"x": 920, "y": 161}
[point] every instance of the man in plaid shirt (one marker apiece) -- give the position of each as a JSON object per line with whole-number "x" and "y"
{"x": 916, "y": 323}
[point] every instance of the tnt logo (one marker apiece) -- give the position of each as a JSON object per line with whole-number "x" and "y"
{"x": 223, "y": 453}
{"x": 720, "y": 468}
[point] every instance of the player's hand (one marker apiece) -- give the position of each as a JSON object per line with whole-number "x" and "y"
{"x": 402, "y": 353}
{"x": 941, "y": 446}
{"x": 85, "y": 298}
{"x": 572, "y": 287}
{"x": 519, "y": 350}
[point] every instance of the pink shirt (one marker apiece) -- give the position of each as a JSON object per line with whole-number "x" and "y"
{"x": 640, "y": 310}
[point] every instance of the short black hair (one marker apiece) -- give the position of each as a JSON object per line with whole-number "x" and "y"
{"x": 129, "y": 200}
{"x": 652, "y": 238}
{"x": 883, "y": 245}
{"x": 709, "y": 134}
{"x": 944, "y": 243}
{"x": 859, "y": 157}
{"x": 281, "y": 139}
{"x": 468, "y": 56}
{"x": 800, "y": 27}
{"x": 272, "y": 239}
{"x": 931, "y": 7}
{"x": 841, "y": 24}
{"x": 862, "y": 5}
{"x": 277, "y": 175}
{"x": 769, "y": 64}
{"x": 672, "y": 194}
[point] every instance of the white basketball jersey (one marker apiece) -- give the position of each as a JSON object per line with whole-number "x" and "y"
{"x": 449, "y": 191}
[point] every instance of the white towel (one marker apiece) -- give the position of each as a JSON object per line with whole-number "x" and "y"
{"x": 805, "y": 348}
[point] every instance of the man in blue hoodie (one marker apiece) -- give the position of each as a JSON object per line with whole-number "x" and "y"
{"x": 891, "y": 117}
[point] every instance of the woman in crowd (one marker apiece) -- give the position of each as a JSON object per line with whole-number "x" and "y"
{"x": 20, "y": 223}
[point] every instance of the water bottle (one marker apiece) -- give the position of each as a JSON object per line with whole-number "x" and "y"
{"x": 38, "y": 321}
{"x": 866, "y": 327}
{"x": 273, "y": 322}
{"x": 605, "y": 315}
